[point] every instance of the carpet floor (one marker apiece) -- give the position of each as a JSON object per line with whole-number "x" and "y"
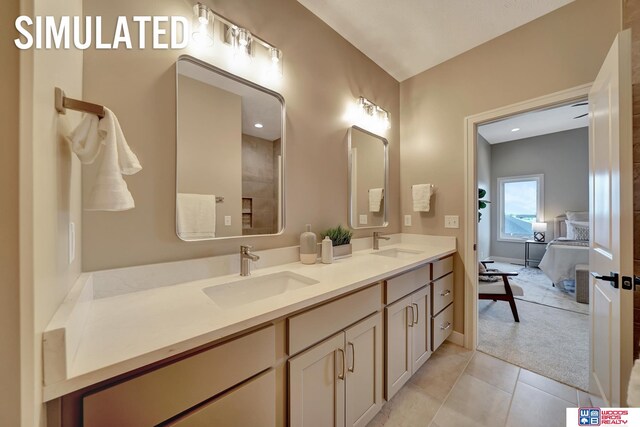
{"x": 549, "y": 341}
{"x": 538, "y": 288}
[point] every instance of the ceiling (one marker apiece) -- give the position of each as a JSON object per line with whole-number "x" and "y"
{"x": 409, "y": 36}
{"x": 536, "y": 123}
{"x": 257, "y": 106}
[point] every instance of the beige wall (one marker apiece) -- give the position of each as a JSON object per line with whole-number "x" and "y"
{"x": 9, "y": 220}
{"x": 557, "y": 51}
{"x": 209, "y": 153}
{"x": 49, "y": 197}
{"x": 323, "y": 75}
{"x": 259, "y": 178}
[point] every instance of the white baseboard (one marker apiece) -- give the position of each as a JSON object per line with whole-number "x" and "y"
{"x": 518, "y": 261}
{"x": 456, "y": 338}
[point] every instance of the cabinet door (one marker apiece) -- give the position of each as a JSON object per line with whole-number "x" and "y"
{"x": 316, "y": 385}
{"x": 251, "y": 404}
{"x": 398, "y": 348}
{"x": 420, "y": 343}
{"x": 364, "y": 371}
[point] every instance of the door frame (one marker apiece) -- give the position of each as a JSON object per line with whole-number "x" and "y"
{"x": 471, "y": 124}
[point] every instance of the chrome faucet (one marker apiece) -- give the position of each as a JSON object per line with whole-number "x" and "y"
{"x": 376, "y": 239}
{"x": 245, "y": 260}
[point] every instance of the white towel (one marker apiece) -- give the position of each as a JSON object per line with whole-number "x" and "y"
{"x": 421, "y": 197}
{"x": 375, "y": 199}
{"x": 196, "y": 216}
{"x": 109, "y": 192}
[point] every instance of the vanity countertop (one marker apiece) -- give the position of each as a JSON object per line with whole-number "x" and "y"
{"x": 124, "y": 332}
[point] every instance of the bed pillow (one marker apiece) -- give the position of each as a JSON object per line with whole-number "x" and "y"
{"x": 577, "y": 216}
{"x": 577, "y": 230}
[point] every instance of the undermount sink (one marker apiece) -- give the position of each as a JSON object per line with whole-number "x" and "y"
{"x": 246, "y": 291}
{"x": 397, "y": 253}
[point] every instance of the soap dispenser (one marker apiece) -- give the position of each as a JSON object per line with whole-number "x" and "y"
{"x": 327, "y": 250}
{"x": 308, "y": 246}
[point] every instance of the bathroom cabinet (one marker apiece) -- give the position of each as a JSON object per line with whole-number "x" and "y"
{"x": 442, "y": 301}
{"x": 339, "y": 381}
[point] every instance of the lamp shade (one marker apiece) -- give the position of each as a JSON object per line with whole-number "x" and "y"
{"x": 539, "y": 227}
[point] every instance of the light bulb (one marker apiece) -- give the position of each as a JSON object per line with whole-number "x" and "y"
{"x": 202, "y": 25}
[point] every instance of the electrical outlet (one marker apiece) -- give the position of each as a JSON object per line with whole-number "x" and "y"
{"x": 227, "y": 220}
{"x": 451, "y": 221}
{"x": 407, "y": 220}
{"x": 72, "y": 242}
{"x": 363, "y": 220}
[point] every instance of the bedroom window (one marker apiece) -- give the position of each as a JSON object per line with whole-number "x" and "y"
{"x": 521, "y": 203}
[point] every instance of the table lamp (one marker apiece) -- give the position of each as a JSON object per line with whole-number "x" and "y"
{"x": 539, "y": 228}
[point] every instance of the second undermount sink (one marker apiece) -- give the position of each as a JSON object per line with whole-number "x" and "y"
{"x": 246, "y": 291}
{"x": 397, "y": 253}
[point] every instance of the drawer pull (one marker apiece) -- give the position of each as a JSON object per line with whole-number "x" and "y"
{"x": 413, "y": 316}
{"x": 445, "y": 293}
{"x": 353, "y": 357}
{"x": 344, "y": 364}
{"x": 417, "y": 313}
{"x": 445, "y": 327}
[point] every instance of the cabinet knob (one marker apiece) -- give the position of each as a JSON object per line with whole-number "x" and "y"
{"x": 445, "y": 327}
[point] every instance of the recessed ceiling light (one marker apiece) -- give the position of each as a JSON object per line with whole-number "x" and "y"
{"x": 515, "y": 129}
{"x": 259, "y": 125}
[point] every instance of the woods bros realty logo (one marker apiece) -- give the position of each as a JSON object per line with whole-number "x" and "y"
{"x": 603, "y": 416}
{"x": 50, "y": 32}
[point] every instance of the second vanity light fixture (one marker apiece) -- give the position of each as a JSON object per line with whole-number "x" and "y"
{"x": 375, "y": 115}
{"x": 240, "y": 39}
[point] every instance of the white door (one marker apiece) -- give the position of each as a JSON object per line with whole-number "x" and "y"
{"x": 316, "y": 385}
{"x": 421, "y": 339}
{"x": 611, "y": 245}
{"x": 399, "y": 322}
{"x": 364, "y": 371}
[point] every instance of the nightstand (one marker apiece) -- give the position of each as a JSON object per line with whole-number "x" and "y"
{"x": 541, "y": 248}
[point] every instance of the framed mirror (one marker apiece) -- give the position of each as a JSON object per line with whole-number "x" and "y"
{"x": 230, "y": 147}
{"x": 368, "y": 179}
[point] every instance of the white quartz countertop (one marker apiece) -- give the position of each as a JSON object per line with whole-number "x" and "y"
{"x": 128, "y": 331}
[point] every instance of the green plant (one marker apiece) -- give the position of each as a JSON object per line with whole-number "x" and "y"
{"x": 481, "y": 203}
{"x": 338, "y": 235}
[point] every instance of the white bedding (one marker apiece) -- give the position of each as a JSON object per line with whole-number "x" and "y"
{"x": 559, "y": 261}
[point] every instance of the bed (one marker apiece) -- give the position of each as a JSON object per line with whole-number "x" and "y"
{"x": 562, "y": 255}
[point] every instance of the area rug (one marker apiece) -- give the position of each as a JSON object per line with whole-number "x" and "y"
{"x": 538, "y": 288}
{"x": 548, "y": 341}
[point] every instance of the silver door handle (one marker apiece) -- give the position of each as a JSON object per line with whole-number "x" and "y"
{"x": 413, "y": 316}
{"x": 445, "y": 293}
{"x": 417, "y": 313}
{"x": 445, "y": 327}
{"x": 344, "y": 364}
{"x": 613, "y": 279}
{"x": 353, "y": 357}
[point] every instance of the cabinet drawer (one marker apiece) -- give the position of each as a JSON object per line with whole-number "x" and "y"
{"x": 313, "y": 326}
{"x": 406, "y": 283}
{"x": 441, "y": 267}
{"x": 161, "y": 394}
{"x": 442, "y": 293}
{"x": 442, "y": 325}
{"x": 248, "y": 405}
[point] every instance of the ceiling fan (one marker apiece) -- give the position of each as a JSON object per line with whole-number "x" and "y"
{"x": 580, "y": 104}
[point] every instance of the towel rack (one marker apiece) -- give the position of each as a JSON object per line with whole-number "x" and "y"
{"x": 219, "y": 199}
{"x": 433, "y": 187}
{"x": 62, "y": 103}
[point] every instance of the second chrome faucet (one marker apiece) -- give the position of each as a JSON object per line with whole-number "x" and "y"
{"x": 376, "y": 239}
{"x": 245, "y": 259}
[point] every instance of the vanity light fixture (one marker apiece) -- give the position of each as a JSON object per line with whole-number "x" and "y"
{"x": 242, "y": 42}
{"x": 372, "y": 115}
{"x": 202, "y": 25}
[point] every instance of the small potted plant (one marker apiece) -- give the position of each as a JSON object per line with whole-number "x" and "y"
{"x": 340, "y": 240}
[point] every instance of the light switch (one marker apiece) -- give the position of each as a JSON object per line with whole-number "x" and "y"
{"x": 407, "y": 220}
{"x": 227, "y": 220}
{"x": 363, "y": 219}
{"x": 451, "y": 221}
{"x": 72, "y": 242}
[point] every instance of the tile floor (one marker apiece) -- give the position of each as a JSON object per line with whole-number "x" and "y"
{"x": 458, "y": 387}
